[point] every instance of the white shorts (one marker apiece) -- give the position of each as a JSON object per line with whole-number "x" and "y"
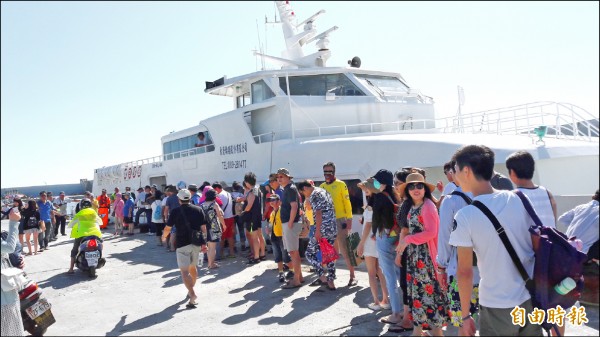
{"x": 187, "y": 256}
{"x": 371, "y": 248}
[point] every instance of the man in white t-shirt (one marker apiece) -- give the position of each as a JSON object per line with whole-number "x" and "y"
{"x": 501, "y": 288}
{"x": 229, "y": 232}
{"x": 521, "y": 166}
{"x": 450, "y": 186}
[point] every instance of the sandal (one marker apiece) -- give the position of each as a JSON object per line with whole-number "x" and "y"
{"x": 290, "y": 285}
{"x": 398, "y": 329}
{"x": 387, "y": 320}
{"x": 352, "y": 282}
{"x": 317, "y": 282}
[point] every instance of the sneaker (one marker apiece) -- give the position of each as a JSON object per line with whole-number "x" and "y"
{"x": 374, "y": 307}
{"x": 281, "y": 277}
{"x": 289, "y": 275}
{"x": 285, "y": 267}
{"x": 385, "y": 306}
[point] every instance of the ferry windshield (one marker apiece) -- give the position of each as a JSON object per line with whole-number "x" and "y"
{"x": 320, "y": 85}
{"x": 385, "y": 84}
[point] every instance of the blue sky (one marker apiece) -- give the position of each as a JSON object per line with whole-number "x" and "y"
{"x": 92, "y": 84}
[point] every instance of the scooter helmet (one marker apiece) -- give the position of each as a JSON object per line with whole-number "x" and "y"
{"x": 86, "y": 203}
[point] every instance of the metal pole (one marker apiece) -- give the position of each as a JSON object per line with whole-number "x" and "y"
{"x": 271, "y": 163}
{"x": 287, "y": 84}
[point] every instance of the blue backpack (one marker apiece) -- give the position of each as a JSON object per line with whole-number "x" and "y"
{"x": 157, "y": 212}
{"x": 555, "y": 260}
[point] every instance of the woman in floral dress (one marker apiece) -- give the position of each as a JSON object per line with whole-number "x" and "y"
{"x": 429, "y": 306}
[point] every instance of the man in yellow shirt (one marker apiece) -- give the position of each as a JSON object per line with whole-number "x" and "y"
{"x": 343, "y": 213}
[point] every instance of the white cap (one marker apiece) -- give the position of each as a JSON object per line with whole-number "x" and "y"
{"x": 184, "y": 194}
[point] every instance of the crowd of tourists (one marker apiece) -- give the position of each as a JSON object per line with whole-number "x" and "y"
{"x": 437, "y": 261}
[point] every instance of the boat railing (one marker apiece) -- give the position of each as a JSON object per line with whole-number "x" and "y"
{"x": 560, "y": 120}
{"x": 189, "y": 152}
{"x": 169, "y": 156}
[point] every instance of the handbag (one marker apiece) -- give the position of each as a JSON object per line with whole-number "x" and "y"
{"x": 12, "y": 278}
{"x": 328, "y": 253}
{"x": 352, "y": 242}
{"x": 197, "y": 236}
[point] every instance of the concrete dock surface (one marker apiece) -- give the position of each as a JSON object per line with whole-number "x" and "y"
{"x": 139, "y": 292}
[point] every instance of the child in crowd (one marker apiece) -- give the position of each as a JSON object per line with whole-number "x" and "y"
{"x": 275, "y": 231}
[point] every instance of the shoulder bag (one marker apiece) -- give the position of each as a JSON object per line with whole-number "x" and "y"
{"x": 197, "y": 237}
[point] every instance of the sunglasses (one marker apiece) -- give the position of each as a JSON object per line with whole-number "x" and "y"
{"x": 328, "y": 172}
{"x": 418, "y": 186}
{"x": 280, "y": 177}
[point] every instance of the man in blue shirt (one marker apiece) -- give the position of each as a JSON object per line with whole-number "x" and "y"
{"x": 128, "y": 213}
{"x": 46, "y": 211}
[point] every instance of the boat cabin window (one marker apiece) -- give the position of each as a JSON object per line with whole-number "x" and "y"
{"x": 387, "y": 84}
{"x": 320, "y": 85}
{"x": 243, "y": 100}
{"x": 188, "y": 146}
{"x": 261, "y": 92}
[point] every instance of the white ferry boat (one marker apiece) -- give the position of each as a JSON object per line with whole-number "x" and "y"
{"x": 306, "y": 113}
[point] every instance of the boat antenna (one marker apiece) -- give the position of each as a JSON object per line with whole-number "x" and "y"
{"x": 260, "y": 47}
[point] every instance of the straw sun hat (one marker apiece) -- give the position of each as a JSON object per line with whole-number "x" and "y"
{"x": 414, "y": 178}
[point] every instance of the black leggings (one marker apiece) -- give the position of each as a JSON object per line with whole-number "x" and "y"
{"x": 593, "y": 251}
{"x": 403, "y": 285}
{"x": 159, "y": 228}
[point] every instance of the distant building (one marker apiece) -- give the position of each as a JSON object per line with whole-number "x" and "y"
{"x": 33, "y": 191}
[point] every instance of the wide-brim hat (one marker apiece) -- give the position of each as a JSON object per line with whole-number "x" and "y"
{"x": 414, "y": 178}
{"x": 368, "y": 185}
{"x": 285, "y": 172}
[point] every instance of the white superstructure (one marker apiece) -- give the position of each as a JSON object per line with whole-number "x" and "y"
{"x": 362, "y": 120}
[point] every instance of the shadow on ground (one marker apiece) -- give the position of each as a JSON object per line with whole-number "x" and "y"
{"x": 145, "y": 322}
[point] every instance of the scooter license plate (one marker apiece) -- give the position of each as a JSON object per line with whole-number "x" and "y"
{"x": 45, "y": 320}
{"x": 38, "y": 308}
{"x": 92, "y": 258}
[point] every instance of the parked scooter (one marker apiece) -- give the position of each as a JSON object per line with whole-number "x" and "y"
{"x": 89, "y": 258}
{"x": 35, "y": 309}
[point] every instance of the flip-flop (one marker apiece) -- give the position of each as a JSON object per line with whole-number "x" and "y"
{"x": 70, "y": 272}
{"x": 399, "y": 329}
{"x": 290, "y": 285}
{"x": 190, "y": 306}
{"x": 352, "y": 282}
{"x": 387, "y": 321}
